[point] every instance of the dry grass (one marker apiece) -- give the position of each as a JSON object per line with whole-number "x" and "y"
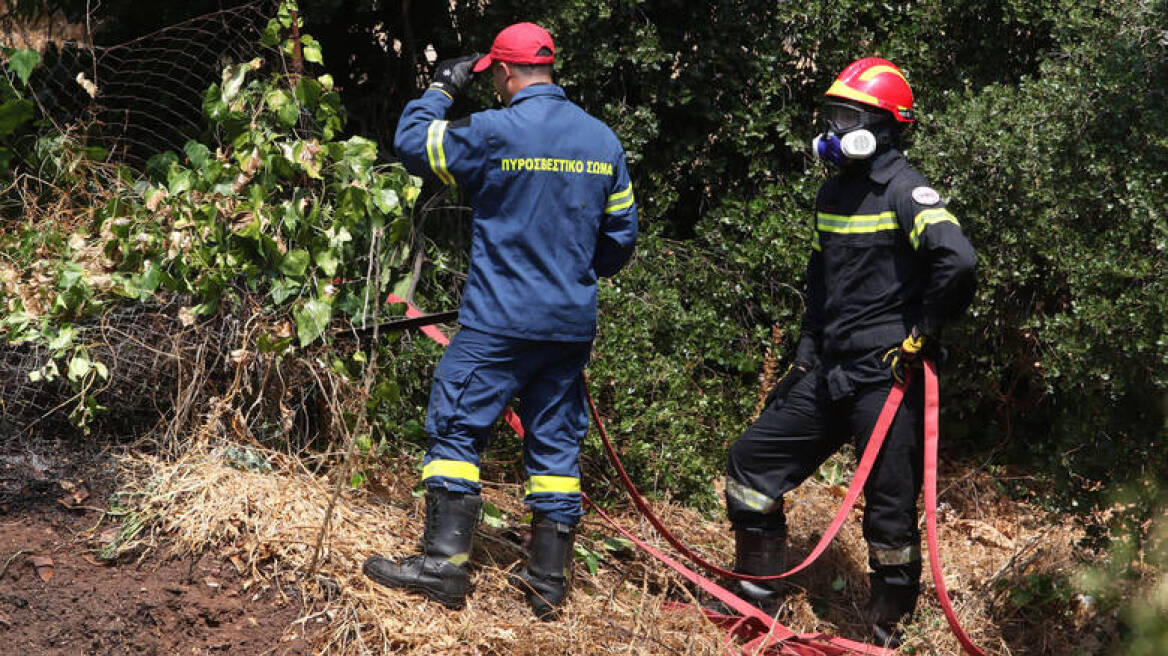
{"x": 268, "y": 523}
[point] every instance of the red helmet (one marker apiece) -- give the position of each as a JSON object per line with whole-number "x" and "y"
{"x": 876, "y": 82}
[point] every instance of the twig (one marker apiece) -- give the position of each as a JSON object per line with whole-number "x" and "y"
{"x": 367, "y": 385}
{"x": 4, "y": 570}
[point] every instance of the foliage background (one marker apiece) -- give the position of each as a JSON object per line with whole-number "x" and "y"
{"x": 1037, "y": 123}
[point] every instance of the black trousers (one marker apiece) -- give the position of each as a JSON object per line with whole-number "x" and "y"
{"x": 837, "y": 401}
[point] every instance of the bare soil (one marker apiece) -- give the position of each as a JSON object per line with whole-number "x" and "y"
{"x": 58, "y": 598}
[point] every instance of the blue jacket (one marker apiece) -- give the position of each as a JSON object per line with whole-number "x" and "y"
{"x": 552, "y": 205}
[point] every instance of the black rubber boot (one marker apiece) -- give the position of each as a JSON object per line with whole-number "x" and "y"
{"x": 440, "y": 571}
{"x": 760, "y": 553}
{"x": 545, "y": 578}
{"x": 888, "y": 606}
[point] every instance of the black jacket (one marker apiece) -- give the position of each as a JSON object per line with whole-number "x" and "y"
{"x": 886, "y": 256}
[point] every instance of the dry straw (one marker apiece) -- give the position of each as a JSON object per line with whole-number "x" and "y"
{"x": 268, "y": 522}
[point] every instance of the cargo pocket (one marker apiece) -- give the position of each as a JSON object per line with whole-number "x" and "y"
{"x": 446, "y": 398}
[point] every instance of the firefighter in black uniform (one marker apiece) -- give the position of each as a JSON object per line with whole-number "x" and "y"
{"x": 889, "y": 266}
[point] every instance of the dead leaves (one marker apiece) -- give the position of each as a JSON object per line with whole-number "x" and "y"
{"x": 986, "y": 534}
{"x": 76, "y": 494}
{"x": 43, "y": 566}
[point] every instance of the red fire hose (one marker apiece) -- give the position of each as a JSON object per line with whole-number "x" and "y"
{"x": 883, "y": 422}
{"x": 762, "y": 633}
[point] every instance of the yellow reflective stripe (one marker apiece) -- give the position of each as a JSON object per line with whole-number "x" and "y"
{"x": 751, "y": 498}
{"x": 844, "y": 91}
{"x": 560, "y": 484}
{"x": 815, "y": 241}
{"x": 436, "y": 153}
{"x": 900, "y": 556}
{"x": 620, "y": 200}
{"x": 926, "y": 218}
{"x": 859, "y": 223}
{"x": 877, "y": 70}
{"x": 451, "y": 469}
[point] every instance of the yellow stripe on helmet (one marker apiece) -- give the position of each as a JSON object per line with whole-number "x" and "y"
{"x": 844, "y": 91}
{"x": 877, "y": 70}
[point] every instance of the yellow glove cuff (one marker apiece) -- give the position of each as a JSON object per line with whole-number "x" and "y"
{"x": 912, "y": 344}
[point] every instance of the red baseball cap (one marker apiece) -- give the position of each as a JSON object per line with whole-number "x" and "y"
{"x": 521, "y": 43}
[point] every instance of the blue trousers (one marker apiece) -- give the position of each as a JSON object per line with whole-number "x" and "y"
{"x": 479, "y": 374}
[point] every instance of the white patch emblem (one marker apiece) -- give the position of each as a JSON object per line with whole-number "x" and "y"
{"x": 926, "y": 196}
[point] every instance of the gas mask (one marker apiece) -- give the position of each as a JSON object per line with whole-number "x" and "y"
{"x": 847, "y": 137}
{"x": 837, "y": 150}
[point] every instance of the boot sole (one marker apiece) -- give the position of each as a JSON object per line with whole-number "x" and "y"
{"x": 453, "y": 603}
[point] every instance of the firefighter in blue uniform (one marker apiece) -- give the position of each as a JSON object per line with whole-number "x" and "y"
{"x": 889, "y": 266}
{"x": 553, "y": 210}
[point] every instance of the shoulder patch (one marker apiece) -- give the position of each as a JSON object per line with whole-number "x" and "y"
{"x": 926, "y": 196}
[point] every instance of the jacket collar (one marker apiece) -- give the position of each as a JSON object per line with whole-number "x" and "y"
{"x": 540, "y": 89}
{"x": 886, "y": 165}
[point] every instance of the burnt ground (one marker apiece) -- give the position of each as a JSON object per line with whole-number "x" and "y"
{"x": 58, "y": 597}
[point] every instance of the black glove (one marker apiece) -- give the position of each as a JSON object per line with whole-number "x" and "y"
{"x": 793, "y": 375}
{"x": 910, "y": 352}
{"x": 453, "y": 76}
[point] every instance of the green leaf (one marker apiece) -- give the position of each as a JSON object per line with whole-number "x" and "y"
{"x": 591, "y": 558}
{"x": 327, "y": 260}
{"x": 311, "y": 50}
{"x": 288, "y": 114}
{"x": 492, "y": 516}
{"x": 617, "y": 545}
{"x": 295, "y": 263}
{"x": 359, "y": 152}
{"x": 268, "y": 344}
{"x": 402, "y": 287}
{"x": 63, "y": 339}
{"x": 13, "y": 114}
{"x": 271, "y": 36}
{"x": 284, "y": 14}
{"x": 387, "y": 391}
{"x": 48, "y": 372}
{"x": 22, "y": 62}
{"x": 197, "y": 153}
{"x": 283, "y": 289}
{"x": 79, "y": 367}
{"x": 234, "y": 77}
{"x": 386, "y": 200}
{"x": 312, "y": 319}
{"x": 363, "y": 442}
{"x": 179, "y": 180}
{"x": 308, "y": 92}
